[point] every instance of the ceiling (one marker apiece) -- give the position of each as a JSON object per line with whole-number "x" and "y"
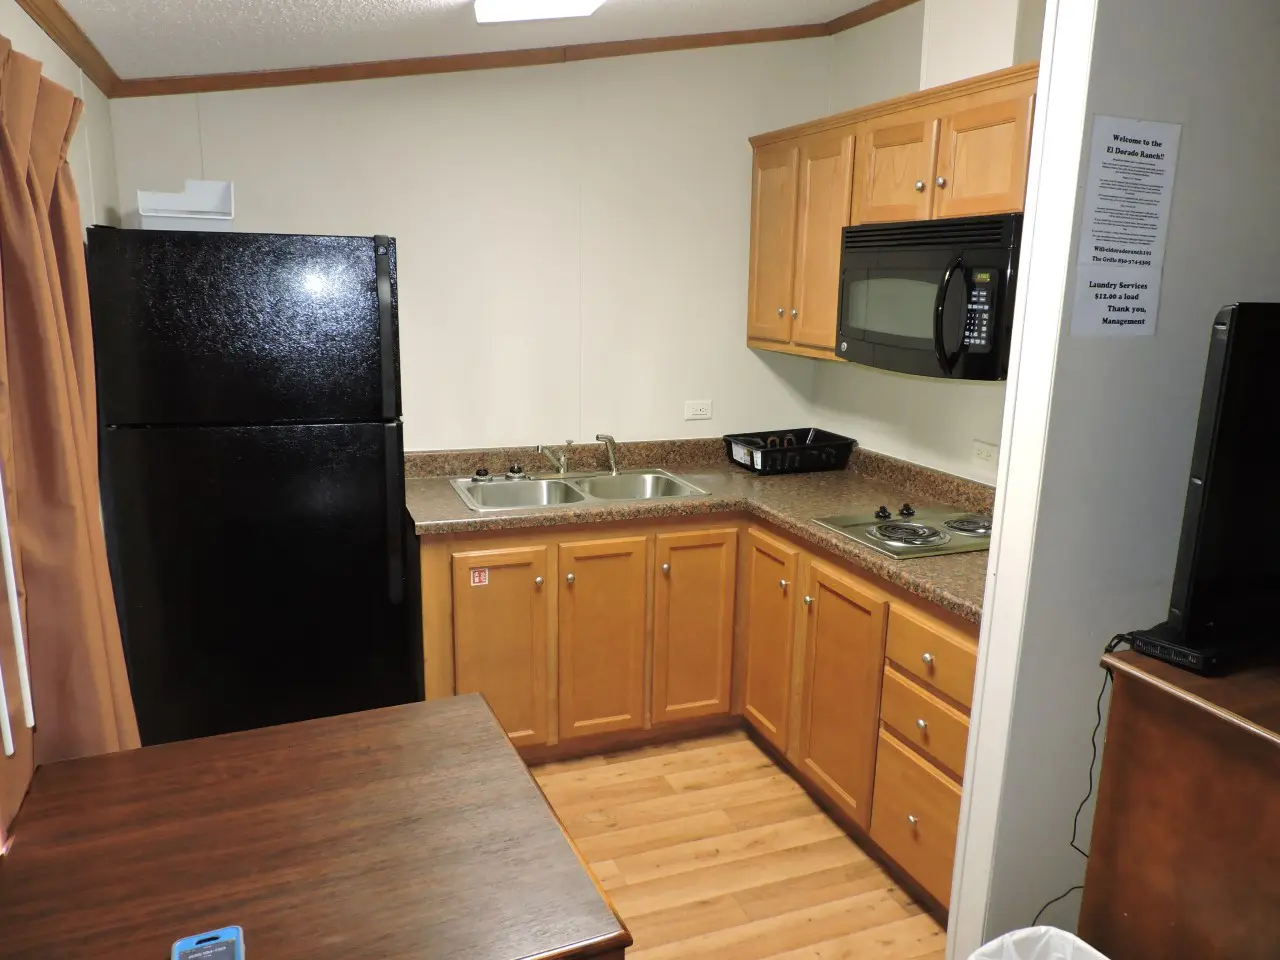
{"x": 157, "y": 38}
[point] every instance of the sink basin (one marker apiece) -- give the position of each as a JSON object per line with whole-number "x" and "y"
{"x": 636, "y": 486}
{"x": 513, "y": 494}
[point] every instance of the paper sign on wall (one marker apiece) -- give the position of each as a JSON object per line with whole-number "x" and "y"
{"x": 479, "y": 576}
{"x": 1126, "y": 222}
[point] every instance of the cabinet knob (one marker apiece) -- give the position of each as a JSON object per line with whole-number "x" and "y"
{"x": 912, "y": 819}
{"x": 919, "y": 186}
{"x": 794, "y": 313}
{"x": 783, "y": 584}
{"x": 569, "y": 578}
{"x": 781, "y": 311}
{"x": 941, "y": 182}
{"x": 808, "y": 600}
{"x": 927, "y": 658}
{"x": 537, "y": 581}
{"x": 666, "y": 568}
{"x": 921, "y": 726}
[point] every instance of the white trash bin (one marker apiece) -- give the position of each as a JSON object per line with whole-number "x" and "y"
{"x": 1037, "y": 943}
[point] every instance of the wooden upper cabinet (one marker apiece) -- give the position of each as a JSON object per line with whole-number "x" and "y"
{"x": 826, "y": 189}
{"x": 773, "y": 237}
{"x": 769, "y": 581}
{"x": 845, "y": 620}
{"x": 983, "y": 158}
{"x": 693, "y": 623}
{"x": 500, "y": 612}
{"x": 603, "y": 601}
{"x": 895, "y": 170}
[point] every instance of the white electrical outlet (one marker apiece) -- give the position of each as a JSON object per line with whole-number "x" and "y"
{"x": 985, "y": 452}
{"x": 697, "y": 409}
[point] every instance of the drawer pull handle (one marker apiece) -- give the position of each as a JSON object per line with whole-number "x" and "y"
{"x": 921, "y": 725}
{"x": 913, "y": 820}
{"x": 928, "y": 659}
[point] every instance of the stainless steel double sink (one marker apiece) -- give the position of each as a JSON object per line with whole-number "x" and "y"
{"x": 573, "y": 489}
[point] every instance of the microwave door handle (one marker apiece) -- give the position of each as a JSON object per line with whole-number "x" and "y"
{"x": 948, "y": 363}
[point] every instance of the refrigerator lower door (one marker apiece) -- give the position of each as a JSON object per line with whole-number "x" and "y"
{"x": 259, "y": 573}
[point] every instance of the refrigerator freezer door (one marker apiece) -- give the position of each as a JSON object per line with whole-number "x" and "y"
{"x": 258, "y": 578}
{"x": 230, "y": 328}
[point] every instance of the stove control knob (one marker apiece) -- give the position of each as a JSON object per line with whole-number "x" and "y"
{"x": 906, "y": 511}
{"x": 884, "y": 514}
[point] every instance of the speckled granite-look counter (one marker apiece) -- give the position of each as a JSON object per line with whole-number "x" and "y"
{"x": 955, "y": 582}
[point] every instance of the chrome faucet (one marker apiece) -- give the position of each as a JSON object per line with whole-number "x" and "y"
{"x": 609, "y": 445}
{"x": 559, "y": 460}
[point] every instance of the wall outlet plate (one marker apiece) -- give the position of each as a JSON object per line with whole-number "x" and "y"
{"x": 697, "y": 409}
{"x": 986, "y": 452}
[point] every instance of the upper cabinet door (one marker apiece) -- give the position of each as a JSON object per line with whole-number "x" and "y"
{"x": 773, "y": 230}
{"x": 603, "y": 603}
{"x": 826, "y": 189}
{"x": 895, "y": 172}
{"x": 982, "y": 163}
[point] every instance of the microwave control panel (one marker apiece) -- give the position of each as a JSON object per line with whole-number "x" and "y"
{"x": 982, "y": 301}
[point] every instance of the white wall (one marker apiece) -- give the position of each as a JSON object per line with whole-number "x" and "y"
{"x": 927, "y": 421}
{"x": 573, "y": 238}
{"x": 1092, "y": 554}
{"x": 91, "y": 155}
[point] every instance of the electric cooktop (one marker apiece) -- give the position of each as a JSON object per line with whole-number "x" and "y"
{"x": 911, "y": 533}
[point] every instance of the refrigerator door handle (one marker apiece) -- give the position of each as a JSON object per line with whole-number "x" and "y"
{"x": 395, "y": 507}
{"x": 386, "y": 327}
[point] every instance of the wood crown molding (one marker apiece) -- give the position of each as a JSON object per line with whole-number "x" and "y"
{"x": 986, "y": 81}
{"x": 53, "y": 19}
{"x": 113, "y": 86}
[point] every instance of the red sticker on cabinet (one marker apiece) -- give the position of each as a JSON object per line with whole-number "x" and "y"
{"x": 479, "y": 576}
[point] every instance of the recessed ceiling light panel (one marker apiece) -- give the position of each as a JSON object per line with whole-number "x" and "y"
{"x": 505, "y": 11}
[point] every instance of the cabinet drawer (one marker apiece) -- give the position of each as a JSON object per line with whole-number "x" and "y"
{"x": 920, "y": 718}
{"x": 934, "y": 652}
{"x": 914, "y": 816}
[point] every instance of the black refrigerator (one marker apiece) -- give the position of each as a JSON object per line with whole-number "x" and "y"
{"x": 252, "y": 473}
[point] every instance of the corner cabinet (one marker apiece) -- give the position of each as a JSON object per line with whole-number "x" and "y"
{"x": 693, "y": 598}
{"x": 955, "y": 151}
{"x": 800, "y": 203}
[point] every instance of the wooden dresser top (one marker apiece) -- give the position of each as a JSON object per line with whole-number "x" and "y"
{"x": 1249, "y": 698}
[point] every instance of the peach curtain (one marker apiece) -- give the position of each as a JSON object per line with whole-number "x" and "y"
{"x": 48, "y": 430}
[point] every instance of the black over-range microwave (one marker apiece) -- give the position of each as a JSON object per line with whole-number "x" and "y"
{"x": 930, "y": 297}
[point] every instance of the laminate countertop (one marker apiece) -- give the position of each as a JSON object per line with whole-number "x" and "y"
{"x": 791, "y": 502}
{"x": 408, "y": 832}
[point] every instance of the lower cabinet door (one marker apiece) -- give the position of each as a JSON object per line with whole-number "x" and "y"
{"x": 915, "y": 816}
{"x": 500, "y": 611}
{"x": 693, "y": 623}
{"x": 840, "y": 700}
{"x": 769, "y": 624}
{"x": 603, "y": 600}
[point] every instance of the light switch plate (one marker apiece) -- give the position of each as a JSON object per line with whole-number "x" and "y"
{"x": 697, "y": 409}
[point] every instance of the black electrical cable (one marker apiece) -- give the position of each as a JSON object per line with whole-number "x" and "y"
{"x": 1093, "y": 740}
{"x": 1036, "y": 921}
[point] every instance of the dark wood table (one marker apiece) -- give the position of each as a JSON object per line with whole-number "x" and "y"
{"x": 1185, "y": 856}
{"x": 410, "y": 832}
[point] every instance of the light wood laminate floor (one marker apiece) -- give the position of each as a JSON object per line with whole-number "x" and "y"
{"x": 709, "y": 850}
